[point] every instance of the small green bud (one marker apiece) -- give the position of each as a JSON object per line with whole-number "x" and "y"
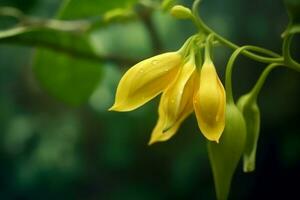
{"x": 225, "y": 155}
{"x": 250, "y": 110}
{"x": 167, "y": 4}
{"x": 181, "y": 12}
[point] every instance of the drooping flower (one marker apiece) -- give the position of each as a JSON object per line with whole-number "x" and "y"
{"x": 183, "y": 88}
{"x": 146, "y": 80}
{"x": 210, "y": 103}
{"x": 175, "y": 103}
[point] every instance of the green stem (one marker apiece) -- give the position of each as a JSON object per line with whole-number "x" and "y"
{"x": 27, "y": 23}
{"x": 260, "y": 82}
{"x": 288, "y": 60}
{"x": 228, "y": 75}
{"x": 185, "y": 48}
{"x": 228, "y": 82}
{"x": 204, "y": 28}
{"x": 14, "y": 31}
{"x": 11, "y": 12}
{"x": 208, "y": 45}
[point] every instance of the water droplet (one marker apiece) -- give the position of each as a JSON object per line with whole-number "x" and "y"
{"x": 218, "y": 117}
{"x": 155, "y": 62}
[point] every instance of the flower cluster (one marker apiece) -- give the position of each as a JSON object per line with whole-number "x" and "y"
{"x": 184, "y": 88}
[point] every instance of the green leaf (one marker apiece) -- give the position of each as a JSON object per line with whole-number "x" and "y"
{"x": 70, "y": 69}
{"x": 59, "y": 41}
{"x": 66, "y": 77}
{"x": 81, "y": 8}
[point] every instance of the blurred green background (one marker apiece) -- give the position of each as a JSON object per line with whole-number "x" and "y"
{"x": 58, "y": 141}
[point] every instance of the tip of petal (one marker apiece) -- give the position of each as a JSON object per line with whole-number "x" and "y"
{"x": 152, "y": 141}
{"x": 120, "y": 108}
{"x": 112, "y": 108}
{"x": 214, "y": 139}
{"x": 116, "y": 108}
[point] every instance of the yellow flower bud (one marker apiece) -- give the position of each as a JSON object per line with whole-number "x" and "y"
{"x": 209, "y": 103}
{"x": 146, "y": 80}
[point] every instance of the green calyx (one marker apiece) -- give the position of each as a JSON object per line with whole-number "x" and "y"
{"x": 225, "y": 155}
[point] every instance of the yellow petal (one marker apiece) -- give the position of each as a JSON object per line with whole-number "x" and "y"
{"x": 160, "y": 133}
{"x": 146, "y": 80}
{"x": 209, "y": 103}
{"x": 176, "y": 96}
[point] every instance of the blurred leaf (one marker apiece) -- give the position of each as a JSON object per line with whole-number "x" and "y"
{"x": 80, "y": 8}
{"x": 66, "y": 77}
{"x": 124, "y": 40}
{"x": 67, "y": 51}
{"x": 19, "y": 4}
{"x": 59, "y": 41}
{"x": 68, "y": 70}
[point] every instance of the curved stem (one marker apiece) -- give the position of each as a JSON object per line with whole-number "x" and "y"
{"x": 208, "y": 45}
{"x": 11, "y": 12}
{"x": 289, "y": 61}
{"x": 14, "y": 31}
{"x": 260, "y": 82}
{"x": 203, "y": 27}
{"x": 228, "y": 75}
{"x": 228, "y": 82}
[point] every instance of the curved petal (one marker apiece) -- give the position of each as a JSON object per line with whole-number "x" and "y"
{"x": 210, "y": 102}
{"x": 146, "y": 80}
{"x": 160, "y": 133}
{"x": 174, "y": 97}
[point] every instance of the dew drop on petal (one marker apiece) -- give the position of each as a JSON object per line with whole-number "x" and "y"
{"x": 155, "y": 62}
{"x": 218, "y": 117}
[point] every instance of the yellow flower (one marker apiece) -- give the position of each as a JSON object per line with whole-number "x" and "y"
{"x": 175, "y": 103}
{"x": 183, "y": 89}
{"x": 146, "y": 80}
{"x": 210, "y": 102}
